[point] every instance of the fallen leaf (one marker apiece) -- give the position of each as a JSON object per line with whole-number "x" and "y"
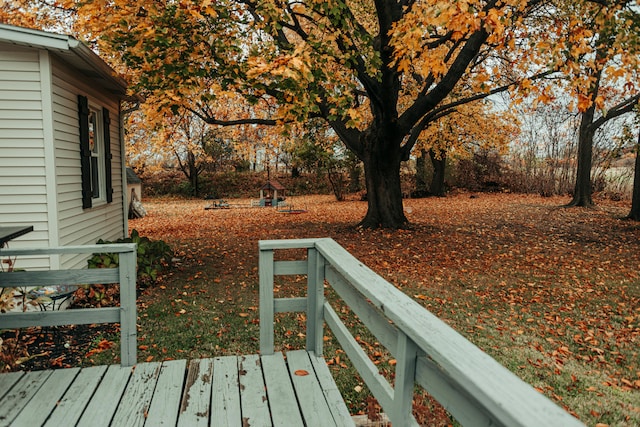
{"x": 301, "y": 373}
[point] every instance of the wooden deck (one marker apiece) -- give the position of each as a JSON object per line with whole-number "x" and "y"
{"x": 270, "y": 389}
{"x": 253, "y": 390}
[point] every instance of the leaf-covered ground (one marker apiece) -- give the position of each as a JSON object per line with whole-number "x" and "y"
{"x": 552, "y": 293}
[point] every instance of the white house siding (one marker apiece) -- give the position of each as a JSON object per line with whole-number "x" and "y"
{"x": 23, "y": 194}
{"x": 77, "y": 226}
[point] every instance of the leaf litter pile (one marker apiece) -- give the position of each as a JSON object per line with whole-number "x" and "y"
{"x": 552, "y": 293}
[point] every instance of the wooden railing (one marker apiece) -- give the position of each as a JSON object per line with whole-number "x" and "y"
{"x": 125, "y": 275}
{"x": 472, "y": 386}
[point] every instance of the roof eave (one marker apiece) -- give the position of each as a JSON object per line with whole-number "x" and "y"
{"x": 70, "y": 50}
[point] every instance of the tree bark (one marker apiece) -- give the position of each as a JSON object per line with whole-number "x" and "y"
{"x": 384, "y": 192}
{"x": 635, "y": 201}
{"x": 437, "y": 181}
{"x": 583, "y": 189}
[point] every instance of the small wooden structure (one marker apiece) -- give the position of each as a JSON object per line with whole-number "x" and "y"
{"x": 271, "y": 193}
{"x": 134, "y": 185}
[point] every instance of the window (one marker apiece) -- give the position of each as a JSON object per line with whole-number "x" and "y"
{"x": 95, "y": 148}
{"x": 95, "y": 153}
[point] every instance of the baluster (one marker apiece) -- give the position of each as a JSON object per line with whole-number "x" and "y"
{"x": 265, "y": 270}
{"x": 406, "y": 358}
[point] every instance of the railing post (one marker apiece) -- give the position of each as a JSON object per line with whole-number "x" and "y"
{"x": 128, "y": 312}
{"x": 265, "y": 271}
{"x": 315, "y": 301}
{"x": 406, "y": 358}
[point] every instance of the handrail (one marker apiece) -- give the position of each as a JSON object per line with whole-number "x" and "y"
{"x": 471, "y": 385}
{"x": 124, "y": 274}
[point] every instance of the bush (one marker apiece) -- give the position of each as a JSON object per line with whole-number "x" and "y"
{"x": 152, "y": 257}
{"x": 482, "y": 172}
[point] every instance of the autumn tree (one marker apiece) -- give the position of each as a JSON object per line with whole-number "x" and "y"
{"x": 604, "y": 65}
{"x": 43, "y": 14}
{"x": 191, "y": 143}
{"x": 157, "y": 137}
{"x": 635, "y": 198}
{"x": 377, "y": 72}
{"x": 314, "y": 147}
{"x": 467, "y": 129}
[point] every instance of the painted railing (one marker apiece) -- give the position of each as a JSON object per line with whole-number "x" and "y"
{"x": 472, "y": 386}
{"x": 124, "y": 274}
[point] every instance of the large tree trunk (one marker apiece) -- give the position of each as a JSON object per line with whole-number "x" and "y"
{"x": 437, "y": 181}
{"x": 582, "y": 191}
{"x": 384, "y": 192}
{"x": 635, "y": 201}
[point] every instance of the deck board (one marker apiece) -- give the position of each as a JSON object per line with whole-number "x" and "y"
{"x": 334, "y": 399}
{"x": 195, "y": 405}
{"x": 44, "y": 401}
{"x": 165, "y": 404}
{"x": 69, "y": 410}
{"x": 106, "y": 398}
{"x": 315, "y": 410}
{"x": 225, "y": 399}
{"x": 7, "y": 381}
{"x": 20, "y": 395}
{"x": 280, "y": 392}
{"x": 251, "y": 390}
{"x": 136, "y": 400}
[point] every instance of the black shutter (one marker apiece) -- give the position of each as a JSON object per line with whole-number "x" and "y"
{"x": 107, "y": 154}
{"x": 85, "y": 152}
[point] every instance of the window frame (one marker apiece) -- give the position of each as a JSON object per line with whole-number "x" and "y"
{"x": 95, "y": 154}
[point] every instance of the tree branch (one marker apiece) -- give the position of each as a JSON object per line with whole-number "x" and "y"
{"x": 623, "y": 107}
{"x": 210, "y": 119}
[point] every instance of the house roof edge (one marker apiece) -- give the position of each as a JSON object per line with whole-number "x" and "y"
{"x": 63, "y": 45}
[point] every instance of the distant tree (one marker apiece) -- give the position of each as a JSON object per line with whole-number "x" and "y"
{"x": 316, "y": 149}
{"x": 439, "y": 163}
{"x": 190, "y": 140}
{"x": 461, "y": 133}
{"x": 421, "y": 188}
{"x": 635, "y": 200}
{"x": 605, "y": 77}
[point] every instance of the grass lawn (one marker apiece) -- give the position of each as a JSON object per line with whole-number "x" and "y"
{"x": 551, "y": 293}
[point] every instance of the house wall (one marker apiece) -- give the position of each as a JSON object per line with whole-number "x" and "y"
{"x": 77, "y": 226}
{"x": 40, "y": 173}
{"x": 23, "y": 169}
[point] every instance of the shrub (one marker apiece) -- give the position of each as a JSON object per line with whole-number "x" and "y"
{"x": 152, "y": 257}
